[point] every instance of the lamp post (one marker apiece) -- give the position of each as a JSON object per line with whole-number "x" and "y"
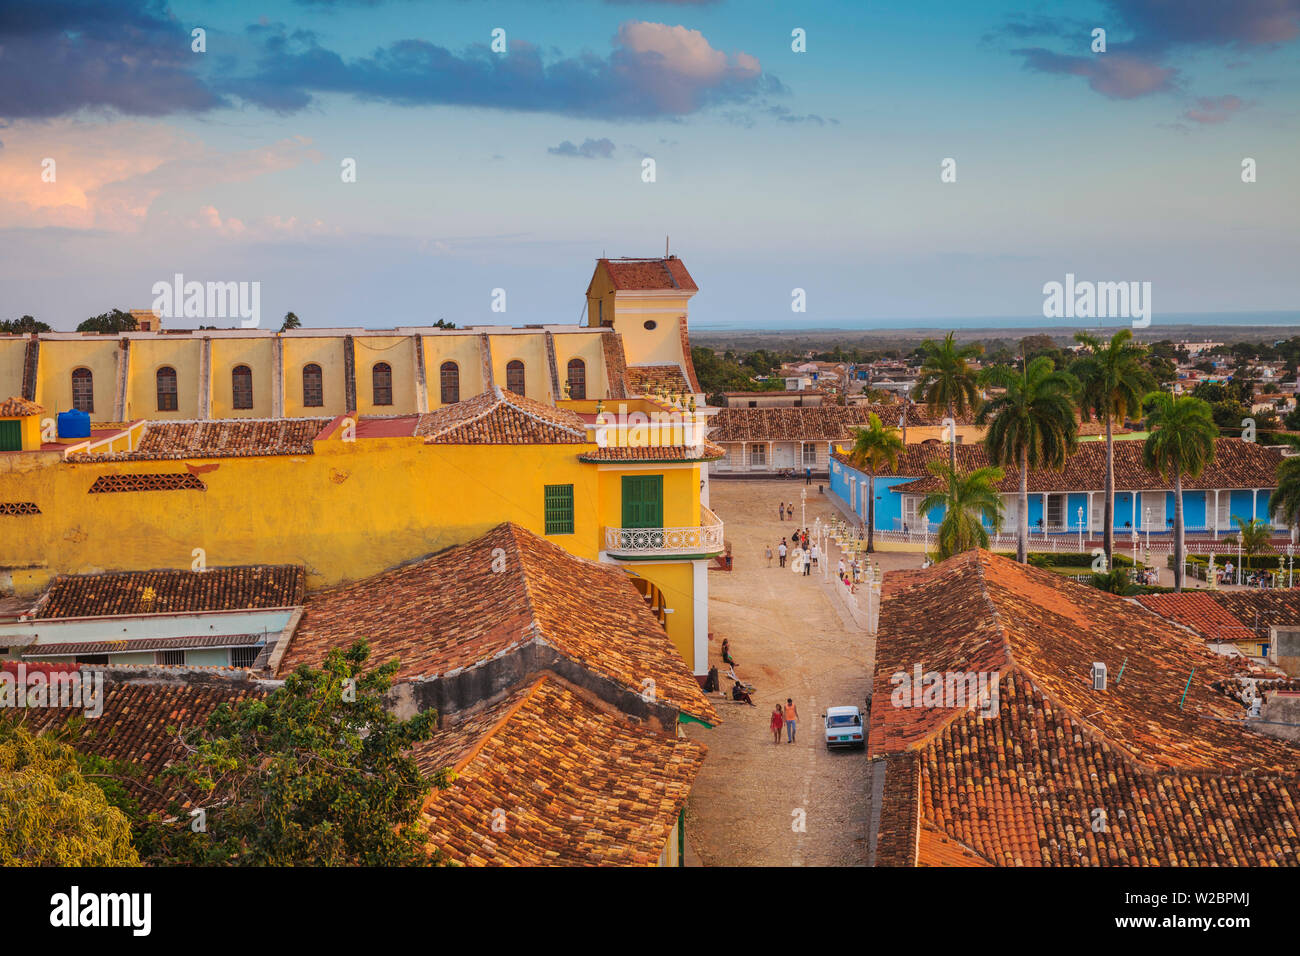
{"x": 1290, "y": 566}
{"x": 1080, "y": 529}
{"x": 803, "y": 508}
{"x": 1146, "y": 523}
{"x": 1238, "y": 559}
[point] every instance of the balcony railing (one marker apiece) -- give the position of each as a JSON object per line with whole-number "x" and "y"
{"x": 704, "y": 540}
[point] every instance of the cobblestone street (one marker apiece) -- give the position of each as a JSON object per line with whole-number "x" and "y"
{"x": 791, "y": 638}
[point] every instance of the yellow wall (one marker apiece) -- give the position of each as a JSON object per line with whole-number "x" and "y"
{"x": 227, "y": 353}
{"x": 13, "y": 349}
{"x": 149, "y": 355}
{"x": 58, "y": 360}
{"x": 588, "y": 349}
{"x": 327, "y": 352}
{"x": 630, "y": 311}
{"x": 531, "y": 350}
{"x": 399, "y": 352}
{"x": 463, "y": 349}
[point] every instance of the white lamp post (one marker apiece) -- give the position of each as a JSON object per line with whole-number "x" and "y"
{"x": 1146, "y": 523}
{"x": 1081, "y": 529}
{"x": 803, "y": 508}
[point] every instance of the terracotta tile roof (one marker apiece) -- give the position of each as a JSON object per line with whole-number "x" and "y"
{"x": 500, "y": 417}
{"x": 706, "y": 452}
{"x": 1200, "y": 612}
{"x": 649, "y": 274}
{"x": 225, "y": 438}
{"x": 570, "y": 784}
{"x": 611, "y": 343}
{"x": 808, "y": 422}
{"x": 453, "y": 611}
{"x": 19, "y": 408}
{"x": 169, "y": 592}
{"x": 647, "y": 379}
{"x": 1260, "y": 609}
{"x": 137, "y": 714}
{"x": 935, "y": 848}
{"x": 1237, "y": 464}
{"x": 1178, "y": 785}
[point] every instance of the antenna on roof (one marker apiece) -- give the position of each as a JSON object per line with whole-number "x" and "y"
{"x": 665, "y": 247}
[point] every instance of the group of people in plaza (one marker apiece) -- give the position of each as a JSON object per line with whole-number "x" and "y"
{"x": 802, "y": 540}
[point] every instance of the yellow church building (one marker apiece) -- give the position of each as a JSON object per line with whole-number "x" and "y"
{"x": 351, "y": 451}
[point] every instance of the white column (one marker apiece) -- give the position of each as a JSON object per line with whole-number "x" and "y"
{"x": 700, "y": 573}
{"x": 1216, "y": 513}
{"x": 1254, "y": 503}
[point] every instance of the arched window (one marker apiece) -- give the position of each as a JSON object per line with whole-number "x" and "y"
{"x": 515, "y": 377}
{"x": 313, "y": 391}
{"x": 577, "y": 378}
{"x": 381, "y": 380}
{"x": 449, "y": 377}
{"x": 241, "y": 382}
{"x": 166, "y": 389}
{"x": 83, "y": 390}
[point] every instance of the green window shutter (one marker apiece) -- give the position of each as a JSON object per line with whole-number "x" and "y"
{"x": 643, "y": 501}
{"x": 559, "y": 509}
{"x": 11, "y": 436}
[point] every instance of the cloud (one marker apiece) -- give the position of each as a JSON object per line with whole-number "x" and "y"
{"x": 653, "y": 70}
{"x": 590, "y": 149}
{"x": 107, "y": 176}
{"x": 1155, "y": 31}
{"x": 59, "y": 56}
{"x": 1116, "y": 75}
{"x": 1215, "y": 109}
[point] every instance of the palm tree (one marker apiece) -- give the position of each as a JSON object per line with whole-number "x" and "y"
{"x": 291, "y": 321}
{"x": 1285, "y": 503}
{"x": 966, "y": 499}
{"x": 1031, "y": 425}
{"x": 1254, "y": 534}
{"x": 947, "y": 382}
{"x": 873, "y": 447}
{"x": 1181, "y": 443}
{"x": 1113, "y": 379}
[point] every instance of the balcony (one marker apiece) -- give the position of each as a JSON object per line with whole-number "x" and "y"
{"x": 640, "y": 543}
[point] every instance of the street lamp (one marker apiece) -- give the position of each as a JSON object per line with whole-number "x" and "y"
{"x": 1080, "y": 529}
{"x": 803, "y": 507}
{"x": 1146, "y": 523}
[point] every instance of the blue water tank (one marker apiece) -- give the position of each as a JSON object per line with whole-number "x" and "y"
{"x": 73, "y": 424}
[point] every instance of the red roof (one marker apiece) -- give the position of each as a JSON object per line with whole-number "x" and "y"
{"x": 649, "y": 274}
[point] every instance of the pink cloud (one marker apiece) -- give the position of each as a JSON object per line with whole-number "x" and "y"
{"x": 1215, "y": 109}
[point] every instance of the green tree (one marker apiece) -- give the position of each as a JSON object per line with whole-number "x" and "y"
{"x": 291, "y": 321}
{"x": 1115, "y": 581}
{"x": 1254, "y": 535}
{"x": 1032, "y": 424}
{"x": 968, "y": 500}
{"x": 1113, "y": 378}
{"x": 444, "y": 324}
{"x": 874, "y": 447}
{"x": 1181, "y": 443}
{"x": 317, "y": 773}
{"x": 113, "y": 321}
{"x": 1285, "y": 502}
{"x": 947, "y": 381}
{"x": 50, "y": 815}
{"x": 23, "y": 326}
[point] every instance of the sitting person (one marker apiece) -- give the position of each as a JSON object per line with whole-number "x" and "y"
{"x": 711, "y": 683}
{"x": 738, "y": 694}
{"x": 726, "y": 653}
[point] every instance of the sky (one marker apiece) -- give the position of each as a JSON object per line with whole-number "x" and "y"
{"x": 128, "y": 156}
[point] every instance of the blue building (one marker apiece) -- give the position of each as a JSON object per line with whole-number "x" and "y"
{"x": 1237, "y": 484}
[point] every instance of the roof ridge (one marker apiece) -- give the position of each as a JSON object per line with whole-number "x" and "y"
{"x": 580, "y": 433}
{"x": 492, "y": 731}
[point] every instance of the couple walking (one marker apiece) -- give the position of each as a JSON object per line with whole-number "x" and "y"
{"x": 786, "y": 717}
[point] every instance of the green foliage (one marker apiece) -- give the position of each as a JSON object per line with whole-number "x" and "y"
{"x": 22, "y": 326}
{"x": 1070, "y": 559}
{"x": 1181, "y": 443}
{"x": 966, "y": 499}
{"x": 291, "y": 321}
{"x": 444, "y": 324}
{"x": 1031, "y": 425}
{"x": 1115, "y": 581}
{"x": 874, "y": 447}
{"x": 1285, "y": 501}
{"x": 112, "y": 321}
{"x": 318, "y": 773}
{"x": 50, "y": 815}
{"x": 1253, "y": 535}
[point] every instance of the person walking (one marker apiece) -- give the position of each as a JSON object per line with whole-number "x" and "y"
{"x": 807, "y": 563}
{"x": 807, "y": 476}
{"x": 781, "y": 550}
{"x": 816, "y": 554}
{"x": 769, "y": 555}
{"x": 791, "y": 716}
{"x": 777, "y": 723}
{"x": 781, "y": 510}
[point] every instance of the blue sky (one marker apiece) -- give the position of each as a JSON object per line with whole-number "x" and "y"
{"x": 775, "y": 169}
